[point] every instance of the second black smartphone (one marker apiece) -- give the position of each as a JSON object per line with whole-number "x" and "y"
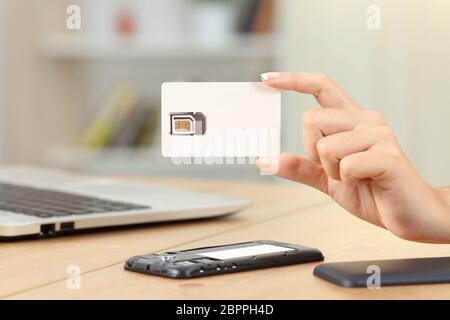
{"x": 386, "y": 272}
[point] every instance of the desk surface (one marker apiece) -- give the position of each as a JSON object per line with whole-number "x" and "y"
{"x": 288, "y": 213}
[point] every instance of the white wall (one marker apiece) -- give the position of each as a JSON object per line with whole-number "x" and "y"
{"x": 401, "y": 70}
{"x": 3, "y": 122}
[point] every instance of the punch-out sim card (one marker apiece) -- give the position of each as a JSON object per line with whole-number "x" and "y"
{"x": 220, "y": 119}
{"x": 187, "y": 123}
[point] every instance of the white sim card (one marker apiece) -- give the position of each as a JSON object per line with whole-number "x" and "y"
{"x": 220, "y": 119}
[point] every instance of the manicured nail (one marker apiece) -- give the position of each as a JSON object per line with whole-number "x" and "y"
{"x": 270, "y": 76}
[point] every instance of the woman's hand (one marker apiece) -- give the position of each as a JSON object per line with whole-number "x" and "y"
{"x": 354, "y": 158}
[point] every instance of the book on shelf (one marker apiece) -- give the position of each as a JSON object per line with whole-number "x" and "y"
{"x": 122, "y": 121}
{"x": 137, "y": 128}
{"x": 257, "y": 17}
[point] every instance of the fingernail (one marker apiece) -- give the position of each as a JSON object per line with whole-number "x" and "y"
{"x": 270, "y": 76}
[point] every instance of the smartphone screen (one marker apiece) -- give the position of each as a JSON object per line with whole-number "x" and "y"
{"x": 244, "y": 252}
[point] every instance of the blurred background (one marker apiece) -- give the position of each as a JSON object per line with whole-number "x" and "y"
{"x": 89, "y": 99}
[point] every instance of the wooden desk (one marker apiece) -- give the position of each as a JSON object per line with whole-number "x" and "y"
{"x": 290, "y": 213}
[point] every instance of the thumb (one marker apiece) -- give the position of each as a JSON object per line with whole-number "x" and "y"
{"x": 302, "y": 170}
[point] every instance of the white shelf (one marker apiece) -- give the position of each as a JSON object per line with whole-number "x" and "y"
{"x": 143, "y": 161}
{"x": 180, "y": 48}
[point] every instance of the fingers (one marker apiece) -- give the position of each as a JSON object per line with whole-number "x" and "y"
{"x": 336, "y": 137}
{"x": 319, "y": 123}
{"x": 326, "y": 91}
{"x": 302, "y": 170}
{"x": 352, "y": 157}
{"x": 334, "y": 149}
{"x": 363, "y": 166}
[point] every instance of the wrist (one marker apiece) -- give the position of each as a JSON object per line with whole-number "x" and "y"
{"x": 443, "y": 194}
{"x": 432, "y": 219}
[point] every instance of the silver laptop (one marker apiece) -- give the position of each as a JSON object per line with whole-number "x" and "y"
{"x": 38, "y": 202}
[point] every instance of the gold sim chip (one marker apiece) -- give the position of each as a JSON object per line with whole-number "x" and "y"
{"x": 183, "y": 125}
{"x": 187, "y": 123}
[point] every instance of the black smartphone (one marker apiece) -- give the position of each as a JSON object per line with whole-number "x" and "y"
{"x": 386, "y": 272}
{"x": 209, "y": 261}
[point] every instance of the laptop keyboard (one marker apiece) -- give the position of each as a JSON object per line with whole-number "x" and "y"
{"x": 48, "y": 203}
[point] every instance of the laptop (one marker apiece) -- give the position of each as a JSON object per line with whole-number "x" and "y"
{"x": 38, "y": 203}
